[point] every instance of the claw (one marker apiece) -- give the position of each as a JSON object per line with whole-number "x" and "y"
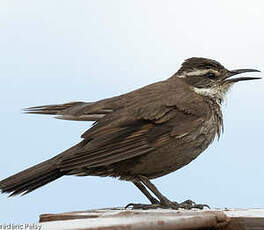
{"x": 142, "y": 206}
{"x": 189, "y": 204}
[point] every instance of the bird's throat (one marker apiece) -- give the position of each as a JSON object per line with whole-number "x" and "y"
{"x": 216, "y": 93}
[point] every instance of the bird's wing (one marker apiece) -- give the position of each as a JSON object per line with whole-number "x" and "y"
{"x": 110, "y": 146}
{"x": 77, "y": 111}
{"x": 127, "y": 133}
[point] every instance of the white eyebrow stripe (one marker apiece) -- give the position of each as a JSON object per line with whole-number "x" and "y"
{"x": 198, "y": 72}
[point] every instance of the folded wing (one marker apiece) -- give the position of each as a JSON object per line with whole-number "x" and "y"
{"x": 77, "y": 111}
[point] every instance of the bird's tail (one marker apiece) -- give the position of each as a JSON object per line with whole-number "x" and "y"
{"x": 31, "y": 178}
{"x": 58, "y": 109}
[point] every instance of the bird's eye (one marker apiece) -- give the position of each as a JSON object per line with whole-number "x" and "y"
{"x": 211, "y": 75}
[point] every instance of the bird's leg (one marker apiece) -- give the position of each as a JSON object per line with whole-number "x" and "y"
{"x": 143, "y": 189}
{"x": 142, "y": 182}
{"x": 164, "y": 201}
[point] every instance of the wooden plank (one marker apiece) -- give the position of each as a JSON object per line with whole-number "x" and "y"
{"x": 245, "y": 219}
{"x": 159, "y": 219}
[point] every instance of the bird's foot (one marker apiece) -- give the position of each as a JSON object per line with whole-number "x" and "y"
{"x": 167, "y": 204}
{"x": 164, "y": 204}
{"x": 189, "y": 204}
{"x": 172, "y": 205}
{"x": 143, "y": 206}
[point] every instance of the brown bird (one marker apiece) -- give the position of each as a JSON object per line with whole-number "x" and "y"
{"x": 141, "y": 135}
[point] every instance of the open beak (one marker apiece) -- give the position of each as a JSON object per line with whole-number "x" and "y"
{"x": 239, "y": 71}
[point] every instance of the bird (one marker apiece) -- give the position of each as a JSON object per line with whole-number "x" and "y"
{"x": 141, "y": 135}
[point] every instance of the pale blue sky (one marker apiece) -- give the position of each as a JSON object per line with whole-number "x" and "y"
{"x": 58, "y": 51}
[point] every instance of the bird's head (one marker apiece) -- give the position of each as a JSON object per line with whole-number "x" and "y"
{"x": 209, "y": 78}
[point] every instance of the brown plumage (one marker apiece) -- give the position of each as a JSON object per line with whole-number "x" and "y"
{"x": 141, "y": 135}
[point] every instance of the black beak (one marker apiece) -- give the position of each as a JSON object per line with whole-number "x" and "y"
{"x": 239, "y": 71}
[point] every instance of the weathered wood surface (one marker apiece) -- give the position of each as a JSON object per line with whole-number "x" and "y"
{"x": 159, "y": 219}
{"x": 245, "y": 219}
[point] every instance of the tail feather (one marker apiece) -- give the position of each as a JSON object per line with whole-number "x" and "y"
{"x": 31, "y": 178}
{"x": 75, "y": 111}
{"x": 54, "y": 109}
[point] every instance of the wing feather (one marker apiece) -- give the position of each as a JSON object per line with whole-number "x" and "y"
{"x": 76, "y": 111}
{"x": 111, "y": 147}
